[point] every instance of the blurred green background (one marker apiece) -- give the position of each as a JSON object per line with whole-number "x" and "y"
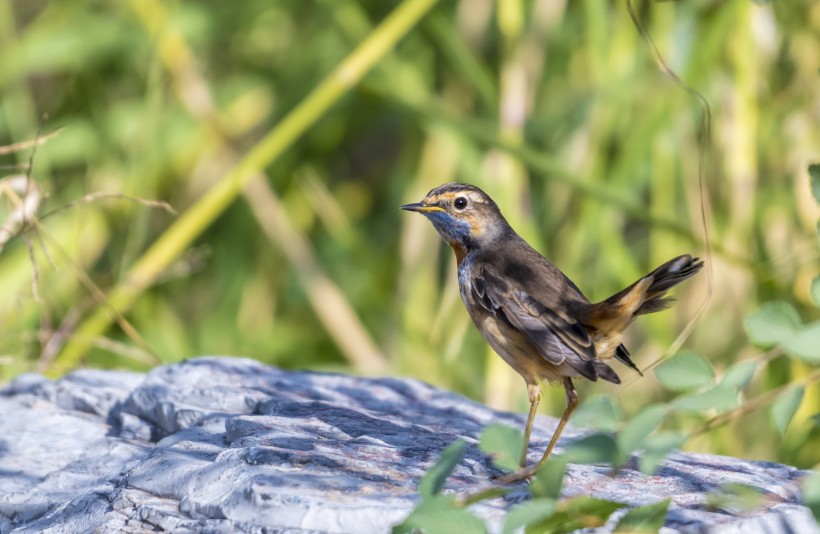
{"x": 555, "y": 108}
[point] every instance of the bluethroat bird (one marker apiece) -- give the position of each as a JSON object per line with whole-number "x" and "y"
{"x": 529, "y": 312}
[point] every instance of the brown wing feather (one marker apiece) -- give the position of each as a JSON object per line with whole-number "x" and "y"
{"x": 554, "y": 334}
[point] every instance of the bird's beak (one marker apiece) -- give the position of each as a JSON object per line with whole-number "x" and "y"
{"x": 421, "y": 208}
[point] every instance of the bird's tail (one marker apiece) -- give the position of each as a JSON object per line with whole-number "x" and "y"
{"x": 647, "y": 295}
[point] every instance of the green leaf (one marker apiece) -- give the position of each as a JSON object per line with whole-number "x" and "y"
{"x": 735, "y": 497}
{"x": 504, "y": 444}
{"x": 594, "y": 449}
{"x": 738, "y": 375}
{"x": 549, "y": 478}
{"x": 784, "y": 408}
{"x": 805, "y": 343}
{"x": 656, "y": 449}
{"x": 811, "y": 494}
{"x": 718, "y": 398}
{"x": 575, "y": 514}
{"x": 530, "y": 512}
{"x": 815, "y": 290}
{"x": 775, "y": 322}
{"x": 647, "y": 518}
{"x": 685, "y": 370}
{"x": 634, "y": 434}
{"x": 433, "y": 480}
{"x": 814, "y": 174}
{"x": 598, "y": 412}
{"x": 438, "y": 516}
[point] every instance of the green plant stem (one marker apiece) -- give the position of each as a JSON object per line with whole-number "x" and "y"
{"x": 754, "y": 404}
{"x": 487, "y": 493}
{"x": 199, "y": 216}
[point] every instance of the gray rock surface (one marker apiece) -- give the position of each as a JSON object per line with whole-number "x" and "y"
{"x": 229, "y": 445}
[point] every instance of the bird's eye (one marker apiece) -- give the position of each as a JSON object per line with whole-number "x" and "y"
{"x": 460, "y": 203}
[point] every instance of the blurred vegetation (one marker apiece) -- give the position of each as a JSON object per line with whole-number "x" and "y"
{"x": 557, "y": 109}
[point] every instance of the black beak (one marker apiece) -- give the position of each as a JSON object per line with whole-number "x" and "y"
{"x": 416, "y": 206}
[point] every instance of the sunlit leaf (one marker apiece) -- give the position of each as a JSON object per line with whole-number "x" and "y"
{"x": 739, "y": 374}
{"x": 775, "y": 322}
{"x": 656, "y": 449}
{"x": 805, "y": 343}
{"x": 594, "y": 449}
{"x": 685, "y": 370}
{"x": 438, "y": 516}
{"x": 577, "y": 513}
{"x": 718, "y": 398}
{"x": 433, "y": 480}
{"x": 814, "y": 174}
{"x": 639, "y": 427}
{"x": 815, "y": 290}
{"x": 504, "y": 444}
{"x": 735, "y": 497}
{"x": 528, "y": 513}
{"x": 811, "y": 493}
{"x": 598, "y": 412}
{"x": 549, "y": 478}
{"x": 784, "y": 408}
{"x": 647, "y": 518}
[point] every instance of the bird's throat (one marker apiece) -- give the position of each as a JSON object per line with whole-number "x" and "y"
{"x": 460, "y": 250}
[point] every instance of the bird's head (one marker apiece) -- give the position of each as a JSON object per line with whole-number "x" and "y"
{"x": 464, "y": 215}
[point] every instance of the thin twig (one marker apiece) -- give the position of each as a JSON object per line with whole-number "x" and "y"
{"x": 23, "y": 145}
{"x": 753, "y": 404}
{"x": 491, "y": 492}
{"x": 93, "y": 197}
{"x": 704, "y": 139}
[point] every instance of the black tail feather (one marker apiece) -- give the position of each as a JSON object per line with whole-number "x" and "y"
{"x": 665, "y": 277}
{"x": 674, "y": 272}
{"x": 622, "y": 355}
{"x": 606, "y": 372}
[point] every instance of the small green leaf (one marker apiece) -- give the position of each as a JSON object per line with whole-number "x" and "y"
{"x": 735, "y": 497}
{"x": 718, "y": 398}
{"x": 634, "y": 434}
{"x": 549, "y": 478}
{"x": 657, "y": 448}
{"x": 530, "y": 512}
{"x": 647, "y": 518}
{"x": 574, "y": 514}
{"x": 685, "y": 370}
{"x": 739, "y": 374}
{"x": 437, "y": 515}
{"x": 504, "y": 444}
{"x": 594, "y": 449}
{"x": 811, "y": 493}
{"x": 814, "y": 173}
{"x": 433, "y": 480}
{"x": 815, "y": 290}
{"x": 784, "y": 408}
{"x": 805, "y": 343}
{"x": 598, "y": 412}
{"x": 774, "y": 323}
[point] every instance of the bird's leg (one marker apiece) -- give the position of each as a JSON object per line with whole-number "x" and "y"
{"x": 534, "y": 393}
{"x": 572, "y": 403}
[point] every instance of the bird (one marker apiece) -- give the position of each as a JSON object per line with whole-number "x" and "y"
{"x": 532, "y": 315}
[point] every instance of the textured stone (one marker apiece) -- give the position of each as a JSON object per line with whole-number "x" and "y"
{"x": 230, "y": 445}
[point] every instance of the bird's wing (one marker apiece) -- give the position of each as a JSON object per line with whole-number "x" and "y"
{"x": 556, "y": 335}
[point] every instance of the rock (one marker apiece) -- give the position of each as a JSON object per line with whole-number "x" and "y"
{"x": 229, "y": 445}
